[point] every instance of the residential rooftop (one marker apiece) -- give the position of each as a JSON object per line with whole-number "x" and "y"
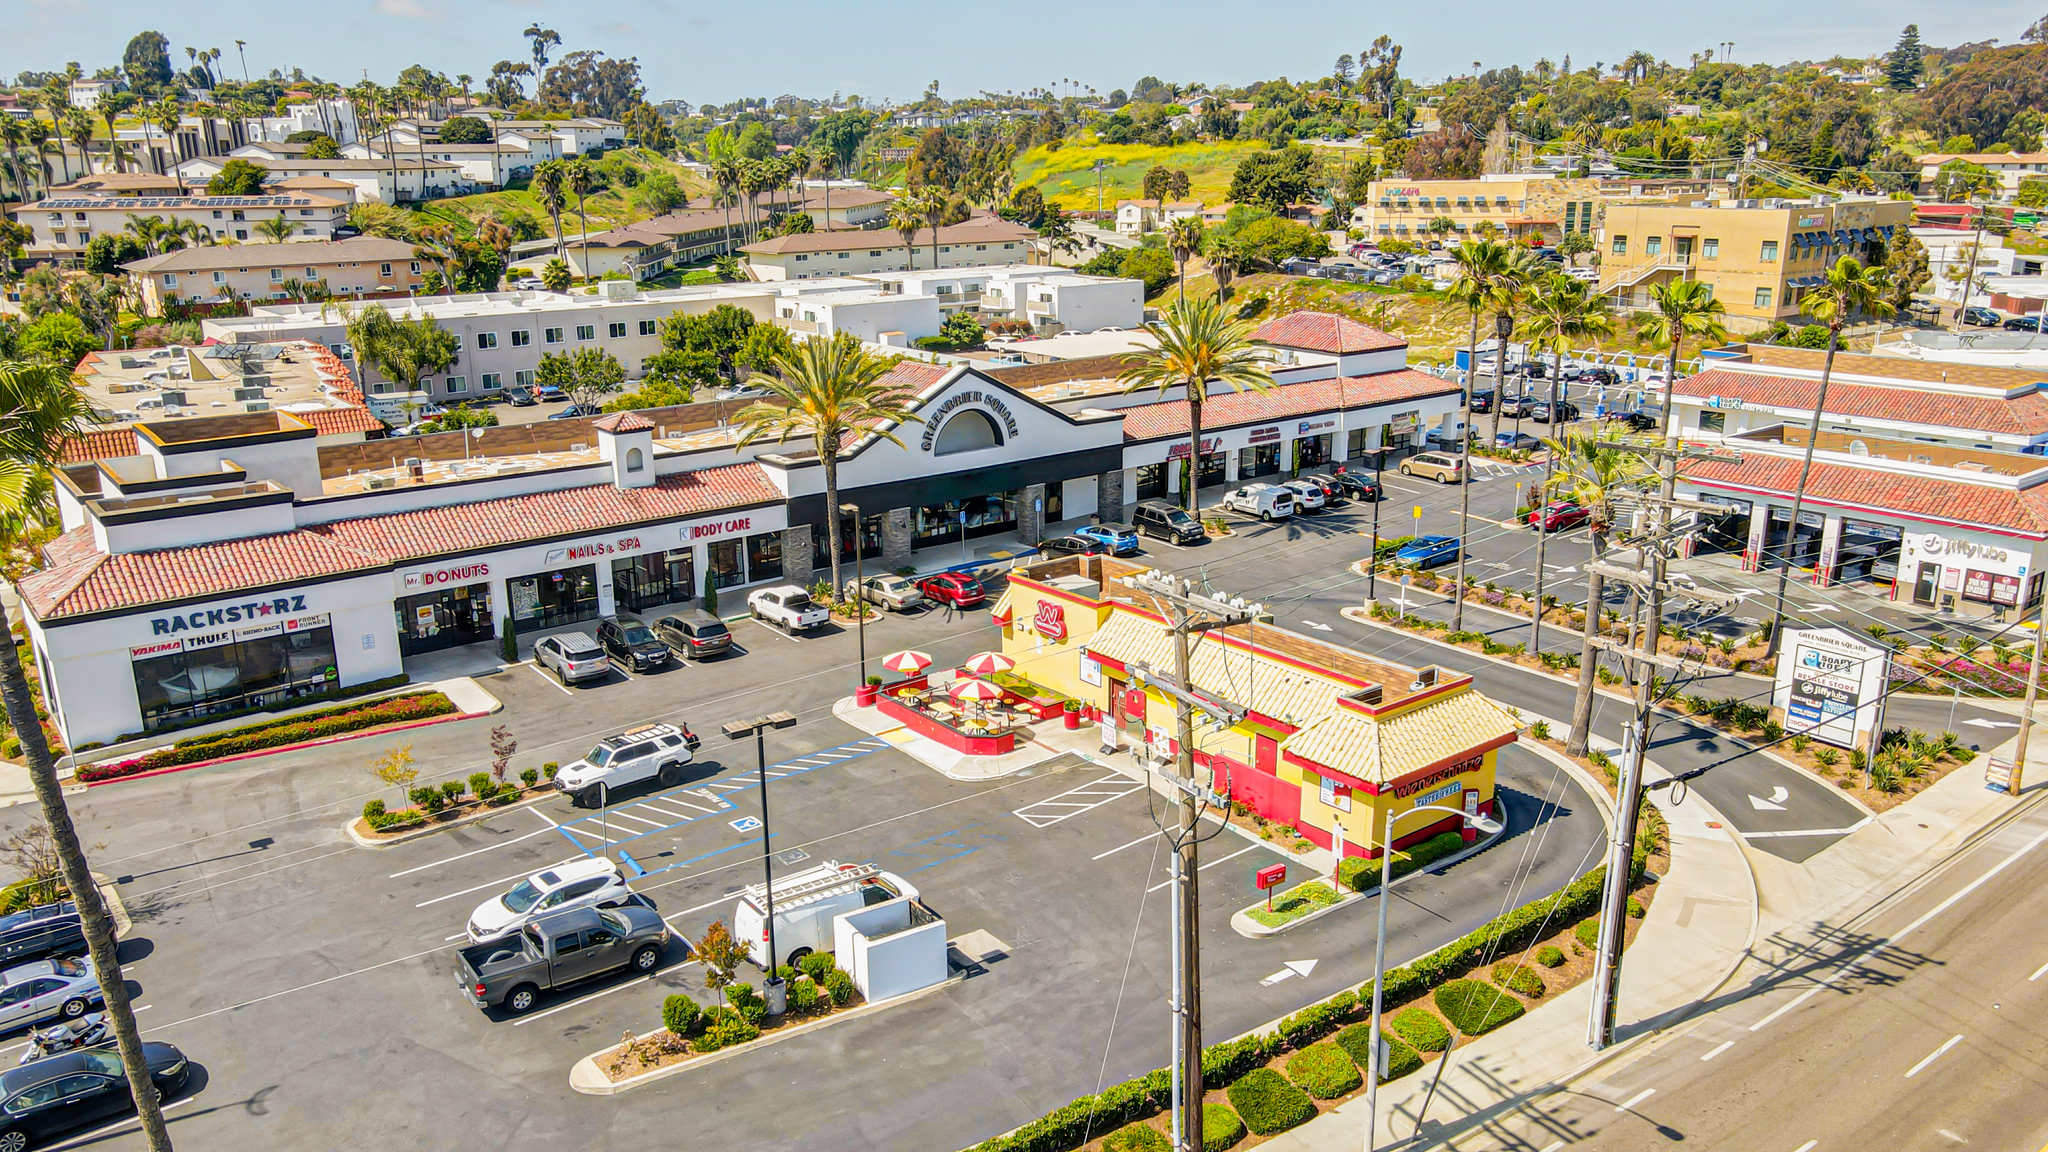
{"x": 169, "y": 384}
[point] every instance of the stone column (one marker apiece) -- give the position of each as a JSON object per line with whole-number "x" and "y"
{"x": 1109, "y": 494}
{"x": 1031, "y": 516}
{"x": 796, "y": 555}
{"x": 896, "y": 534}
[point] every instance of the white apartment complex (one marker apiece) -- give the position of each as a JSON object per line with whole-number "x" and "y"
{"x": 385, "y": 181}
{"x": 64, "y": 225}
{"x": 979, "y": 242}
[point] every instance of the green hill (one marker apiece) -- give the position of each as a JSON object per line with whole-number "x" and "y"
{"x": 1063, "y": 175}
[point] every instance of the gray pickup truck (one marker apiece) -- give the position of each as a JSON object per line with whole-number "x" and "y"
{"x": 557, "y": 950}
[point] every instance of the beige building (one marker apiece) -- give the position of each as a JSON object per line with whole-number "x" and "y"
{"x": 2009, "y": 167}
{"x": 980, "y": 241}
{"x": 1520, "y": 207}
{"x": 64, "y": 225}
{"x": 363, "y": 265}
{"x": 1761, "y": 257}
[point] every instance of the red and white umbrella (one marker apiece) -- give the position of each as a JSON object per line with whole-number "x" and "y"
{"x": 987, "y": 663}
{"x": 908, "y": 662}
{"x": 975, "y": 690}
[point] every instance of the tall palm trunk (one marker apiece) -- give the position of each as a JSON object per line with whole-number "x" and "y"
{"x": 92, "y": 908}
{"x": 1820, "y": 401}
{"x": 1197, "y": 393}
{"x": 1465, "y": 469}
{"x": 828, "y": 455}
{"x": 1589, "y": 655}
{"x": 1503, "y": 327}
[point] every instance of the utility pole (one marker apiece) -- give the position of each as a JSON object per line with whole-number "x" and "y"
{"x": 1189, "y": 612}
{"x": 1671, "y": 520}
{"x": 2019, "y": 755}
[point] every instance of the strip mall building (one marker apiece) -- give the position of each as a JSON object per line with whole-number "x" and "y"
{"x": 1330, "y": 742}
{"x": 220, "y": 563}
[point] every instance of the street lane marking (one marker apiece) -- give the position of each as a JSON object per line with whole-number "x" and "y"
{"x": 477, "y": 851}
{"x": 1634, "y": 1100}
{"x": 1150, "y": 835}
{"x": 1807, "y": 831}
{"x": 1932, "y": 1056}
{"x": 2038, "y": 972}
{"x": 1553, "y": 1146}
{"x": 1806, "y": 1147}
{"x": 1723, "y": 1046}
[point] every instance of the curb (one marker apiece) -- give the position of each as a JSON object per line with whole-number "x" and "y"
{"x": 1254, "y": 930}
{"x": 585, "y": 1078}
{"x": 363, "y": 841}
{"x": 123, "y": 923}
{"x": 321, "y": 742}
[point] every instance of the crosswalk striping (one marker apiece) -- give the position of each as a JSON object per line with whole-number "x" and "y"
{"x": 1077, "y": 800}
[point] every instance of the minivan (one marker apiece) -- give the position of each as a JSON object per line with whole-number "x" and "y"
{"x": 805, "y": 903}
{"x": 1160, "y": 520}
{"x": 1438, "y": 466}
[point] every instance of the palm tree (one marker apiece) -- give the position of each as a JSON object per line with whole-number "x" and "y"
{"x": 1226, "y": 256}
{"x": 829, "y": 390}
{"x": 166, "y": 115}
{"x": 13, "y": 134}
{"x": 149, "y": 232}
{"x": 1483, "y": 267}
{"x": 931, "y": 204}
{"x": 555, "y": 275}
{"x": 722, "y": 161}
{"x": 550, "y": 182}
{"x": 1197, "y": 343}
{"x": 1506, "y": 301}
{"x": 1849, "y": 290}
{"x": 581, "y": 181}
{"x": 277, "y": 231}
{"x": 77, "y": 127}
{"x": 405, "y": 351}
{"x": 1184, "y": 238}
{"x": 110, "y": 107}
{"x": 43, "y": 411}
{"x": 1680, "y": 308}
{"x": 1559, "y": 311}
{"x": 1587, "y": 474}
{"x": 904, "y": 218}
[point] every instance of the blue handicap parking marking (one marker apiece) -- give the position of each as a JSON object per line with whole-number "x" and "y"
{"x": 744, "y": 824}
{"x": 632, "y": 863}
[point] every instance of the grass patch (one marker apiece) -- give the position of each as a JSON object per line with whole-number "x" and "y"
{"x": 1294, "y": 903}
{"x": 1401, "y": 1059}
{"x": 1421, "y": 1028}
{"x": 1137, "y": 1138}
{"x": 1518, "y": 978}
{"x": 1221, "y": 1128}
{"x": 1323, "y": 1070}
{"x": 1359, "y": 873}
{"x": 1475, "y": 1008}
{"x": 1268, "y": 1103}
{"x": 1064, "y": 175}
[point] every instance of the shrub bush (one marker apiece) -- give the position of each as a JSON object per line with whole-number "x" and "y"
{"x": 529, "y": 776}
{"x": 1588, "y": 931}
{"x": 1317, "y": 1020}
{"x": 1221, "y": 1128}
{"x": 278, "y": 733}
{"x": 1518, "y": 978}
{"x": 803, "y": 994}
{"x": 1635, "y": 908}
{"x": 352, "y": 691}
{"x": 818, "y": 966}
{"x": 679, "y": 1014}
{"x": 1540, "y": 730}
{"x": 1422, "y": 1029}
{"x": 723, "y": 1028}
{"x": 372, "y": 809}
{"x": 481, "y": 784}
{"x": 1222, "y": 1064}
{"x": 1136, "y": 1138}
{"x": 1401, "y": 1059}
{"x": 1475, "y": 1008}
{"x": 1323, "y": 1071}
{"x": 1268, "y": 1103}
{"x": 840, "y": 987}
{"x": 1359, "y": 873}
{"x": 428, "y": 798}
{"x": 452, "y": 790}
{"x": 1550, "y": 956}
{"x": 747, "y": 1003}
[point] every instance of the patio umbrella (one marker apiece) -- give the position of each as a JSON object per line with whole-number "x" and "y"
{"x": 985, "y": 663}
{"x": 975, "y": 690}
{"x": 908, "y": 662}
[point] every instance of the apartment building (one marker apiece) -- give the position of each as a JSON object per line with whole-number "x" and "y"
{"x": 64, "y": 225}
{"x": 1055, "y": 300}
{"x": 503, "y": 335}
{"x": 1760, "y": 256}
{"x": 359, "y": 266}
{"x": 647, "y": 248}
{"x": 578, "y": 136}
{"x": 1518, "y": 206}
{"x": 386, "y": 181}
{"x": 2009, "y": 167}
{"x": 980, "y": 241}
{"x": 492, "y": 165}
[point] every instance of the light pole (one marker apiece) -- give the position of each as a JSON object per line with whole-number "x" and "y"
{"x": 772, "y": 989}
{"x": 1486, "y": 824}
{"x": 859, "y": 591}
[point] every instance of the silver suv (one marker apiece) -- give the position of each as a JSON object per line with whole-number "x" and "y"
{"x": 573, "y": 657}
{"x": 651, "y": 751}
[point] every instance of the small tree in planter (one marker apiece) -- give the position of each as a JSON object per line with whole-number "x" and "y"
{"x": 711, "y": 592}
{"x": 721, "y": 956}
{"x": 508, "y": 642}
{"x": 396, "y": 769}
{"x": 503, "y": 745}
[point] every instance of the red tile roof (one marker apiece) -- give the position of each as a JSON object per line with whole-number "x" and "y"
{"x": 623, "y": 422}
{"x": 1915, "y": 497}
{"x": 2019, "y": 416}
{"x": 99, "y": 444}
{"x": 1325, "y": 332}
{"x": 78, "y": 581}
{"x": 335, "y": 421}
{"x": 1170, "y": 418}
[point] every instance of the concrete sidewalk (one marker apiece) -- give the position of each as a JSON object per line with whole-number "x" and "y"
{"x": 1695, "y": 936}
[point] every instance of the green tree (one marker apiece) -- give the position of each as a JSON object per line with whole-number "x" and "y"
{"x": 465, "y": 130}
{"x": 905, "y": 218}
{"x": 1903, "y": 65}
{"x": 56, "y": 338}
{"x": 550, "y": 186}
{"x": 405, "y": 351}
{"x": 652, "y": 393}
{"x": 586, "y": 376}
{"x": 555, "y": 275}
{"x": 238, "y": 177}
{"x": 1958, "y": 180}
{"x": 44, "y": 412}
{"x": 1196, "y": 345}
{"x": 322, "y": 147}
{"x": 720, "y": 333}
{"x": 464, "y": 416}
{"x": 106, "y": 252}
{"x": 828, "y": 391}
{"x": 582, "y": 179}
{"x": 1488, "y": 278}
{"x": 277, "y": 230}
{"x": 962, "y": 330}
{"x": 1906, "y": 270}
{"x": 1589, "y": 474}
{"x": 763, "y": 346}
{"x": 2033, "y": 191}
{"x": 386, "y": 220}
{"x": 146, "y": 62}
{"x": 1276, "y": 179}
{"x": 1679, "y": 309}
{"x": 1151, "y": 265}
{"x": 1183, "y": 239}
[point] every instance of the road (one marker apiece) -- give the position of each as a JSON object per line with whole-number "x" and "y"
{"x": 1914, "y": 1026}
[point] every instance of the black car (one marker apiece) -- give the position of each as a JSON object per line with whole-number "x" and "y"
{"x": 53, "y": 929}
{"x": 520, "y": 397}
{"x": 1980, "y": 318}
{"x": 1072, "y": 546}
{"x": 1637, "y": 421}
{"x": 1482, "y": 400}
{"x": 1332, "y": 491}
{"x": 1565, "y": 413}
{"x": 632, "y": 643}
{"x": 2024, "y": 324}
{"x": 575, "y": 410}
{"x": 1163, "y": 521}
{"x": 1356, "y": 486}
{"x": 1600, "y": 376}
{"x": 694, "y": 632}
{"x": 71, "y": 1090}
{"x": 1533, "y": 369}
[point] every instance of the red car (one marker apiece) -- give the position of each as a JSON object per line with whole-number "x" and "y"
{"x": 955, "y": 588}
{"x": 1558, "y": 517}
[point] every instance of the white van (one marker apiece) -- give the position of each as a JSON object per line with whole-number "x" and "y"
{"x": 806, "y": 902}
{"x": 1266, "y": 501}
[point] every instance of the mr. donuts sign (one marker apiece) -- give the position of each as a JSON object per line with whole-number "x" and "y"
{"x": 455, "y": 574}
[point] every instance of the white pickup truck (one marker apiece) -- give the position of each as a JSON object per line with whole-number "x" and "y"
{"x": 788, "y": 607}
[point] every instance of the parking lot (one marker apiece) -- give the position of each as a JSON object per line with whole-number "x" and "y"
{"x": 296, "y": 968}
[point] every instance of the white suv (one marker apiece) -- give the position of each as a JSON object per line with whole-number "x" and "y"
{"x": 649, "y": 752}
{"x": 593, "y": 882}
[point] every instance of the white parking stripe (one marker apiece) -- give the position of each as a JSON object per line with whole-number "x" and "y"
{"x": 501, "y": 880}
{"x": 1121, "y": 847}
{"x": 478, "y": 851}
{"x": 1211, "y": 864}
{"x": 618, "y": 815}
{"x": 651, "y": 806}
{"x": 581, "y": 1000}
{"x": 671, "y": 917}
{"x": 537, "y": 671}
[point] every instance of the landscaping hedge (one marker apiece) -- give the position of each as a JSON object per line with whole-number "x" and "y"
{"x": 1474, "y": 1007}
{"x": 1317, "y": 1020}
{"x": 1422, "y": 1028}
{"x": 1401, "y": 1059}
{"x": 679, "y": 1014}
{"x": 1359, "y": 873}
{"x": 1220, "y": 1128}
{"x": 1550, "y": 956}
{"x": 1588, "y": 931}
{"x": 1323, "y": 1071}
{"x": 278, "y": 734}
{"x": 1268, "y": 1103}
{"x": 1518, "y": 978}
{"x": 367, "y": 688}
{"x": 1137, "y": 1138}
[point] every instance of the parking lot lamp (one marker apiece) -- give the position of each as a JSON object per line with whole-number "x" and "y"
{"x": 772, "y": 989}
{"x": 859, "y": 591}
{"x": 1485, "y": 824}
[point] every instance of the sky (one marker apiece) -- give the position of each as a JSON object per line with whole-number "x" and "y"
{"x": 713, "y": 53}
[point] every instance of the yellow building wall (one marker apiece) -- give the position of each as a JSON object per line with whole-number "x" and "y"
{"x": 1054, "y": 663}
{"x": 1366, "y": 822}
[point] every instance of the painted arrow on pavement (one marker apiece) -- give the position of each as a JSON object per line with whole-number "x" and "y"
{"x": 1977, "y": 723}
{"x": 1775, "y": 804}
{"x": 1292, "y": 968}
{"x": 1316, "y": 626}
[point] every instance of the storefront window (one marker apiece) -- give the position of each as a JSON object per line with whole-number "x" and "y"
{"x": 1212, "y": 470}
{"x": 1354, "y": 443}
{"x": 231, "y": 670}
{"x": 554, "y": 598}
{"x": 724, "y": 556}
{"x": 977, "y": 516}
{"x": 764, "y": 556}
{"x": 869, "y": 540}
{"x": 1151, "y": 481}
{"x": 1315, "y": 450}
{"x": 1258, "y": 460}
{"x": 645, "y": 581}
{"x": 1804, "y": 550}
{"x": 445, "y": 618}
